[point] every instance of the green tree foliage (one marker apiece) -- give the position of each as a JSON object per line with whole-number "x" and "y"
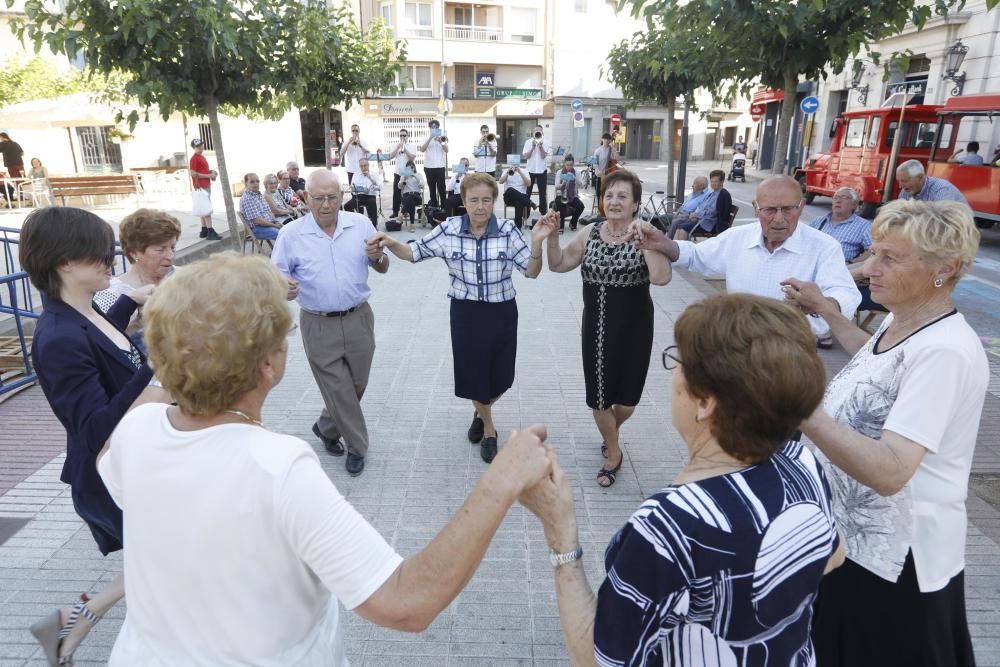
{"x": 775, "y": 42}
{"x": 40, "y": 79}
{"x": 202, "y": 56}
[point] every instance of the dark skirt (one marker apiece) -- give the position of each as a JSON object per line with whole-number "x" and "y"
{"x": 861, "y": 619}
{"x": 617, "y": 343}
{"x": 483, "y": 347}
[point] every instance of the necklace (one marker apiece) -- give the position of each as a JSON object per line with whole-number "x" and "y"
{"x": 611, "y": 234}
{"x": 245, "y": 416}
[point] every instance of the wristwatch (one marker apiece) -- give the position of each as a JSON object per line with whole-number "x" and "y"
{"x": 562, "y": 559}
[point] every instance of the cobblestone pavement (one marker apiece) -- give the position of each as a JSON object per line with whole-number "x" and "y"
{"x": 418, "y": 472}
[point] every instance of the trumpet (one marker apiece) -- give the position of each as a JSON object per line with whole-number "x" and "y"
{"x": 488, "y": 139}
{"x": 442, "y": 139}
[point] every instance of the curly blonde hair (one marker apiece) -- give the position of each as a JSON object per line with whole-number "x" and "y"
{"x": 940, "y": 230}
{"x": 146, "y": 227}
{"x": 206, "y": 344}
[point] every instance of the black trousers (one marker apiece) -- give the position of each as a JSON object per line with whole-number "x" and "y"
{"x": 410, "y": 201}
{"x": 350, "y": 177}
{"x": 573, "y": 208}
{"x": 397, "y": 198}
{"x": 543, "y": 185}
{"x": 597, "y": 186}
{"x": 521, "y": 203}
{"x": 453, "y": 205}
{"x": 435, "y": 181}
{"x": 366, "y": 202}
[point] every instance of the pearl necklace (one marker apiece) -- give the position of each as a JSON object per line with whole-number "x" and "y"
{"x": 245, "y": 416}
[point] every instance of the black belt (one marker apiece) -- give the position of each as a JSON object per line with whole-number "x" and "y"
{"x": 335, "y": 313}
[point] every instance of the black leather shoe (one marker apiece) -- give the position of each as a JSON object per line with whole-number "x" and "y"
{"x": 333, "y": 447}
{"x": 355, "y": 464}
{"x": 212, "y": 235}
{"x": 488, "y": 449}
{"x": 476, "y": 429}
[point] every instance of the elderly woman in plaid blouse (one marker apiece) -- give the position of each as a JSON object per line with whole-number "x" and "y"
{"x": 481, "y": 253}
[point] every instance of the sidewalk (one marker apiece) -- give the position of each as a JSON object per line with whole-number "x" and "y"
{"x": 418, "y": 473}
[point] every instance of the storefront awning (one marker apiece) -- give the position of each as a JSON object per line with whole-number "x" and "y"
{"x": 767, "y": 95}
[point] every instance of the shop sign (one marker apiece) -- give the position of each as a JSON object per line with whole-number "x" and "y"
{"x": 484, "y": 78}
{"x": 484, "y": 93}
{"x": 525, "y": 93}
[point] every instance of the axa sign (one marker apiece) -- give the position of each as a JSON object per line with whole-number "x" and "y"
{"x": 484, "y": 78}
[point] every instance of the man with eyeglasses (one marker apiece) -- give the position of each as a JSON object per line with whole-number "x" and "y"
{"x": 326, "y": 260}
{"x": 256, "y": 211}
{"x": 757, "y": 259}
{"x": 353, "y": 151}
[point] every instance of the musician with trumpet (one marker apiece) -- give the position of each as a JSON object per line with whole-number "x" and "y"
{"x": 402, "y": 152}
{"x": 485, "y": 152}
{"x": 352, "y": 151}
{"x": 435, "y": 151}
{"x": 535, "y": 150}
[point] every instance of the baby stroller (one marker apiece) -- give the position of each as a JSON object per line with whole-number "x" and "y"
{"x": 738, "y": 170}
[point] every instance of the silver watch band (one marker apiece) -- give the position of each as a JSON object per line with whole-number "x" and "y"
{"x": 563, "y": 559}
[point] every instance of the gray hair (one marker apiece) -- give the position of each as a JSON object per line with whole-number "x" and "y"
{"x": 702, "y": 179}
{"x": 912, "y": 168}
{"x": 850, "y": 191}
{"x": 292, "y": 164}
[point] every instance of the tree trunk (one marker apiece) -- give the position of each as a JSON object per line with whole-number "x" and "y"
{"x": 326, "y": 139}
{"x": 235, "y": 236}
{"x": 780, "y": 160}
{"x": 669, "y": 136}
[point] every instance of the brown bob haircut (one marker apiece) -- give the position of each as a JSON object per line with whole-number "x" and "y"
{"x": 474, "y": 180}
{"x": 621, "y": 176}
{"x": 51, "y": 237}
{"x": 147, "y": 227}
{"x": 757, "y": 357}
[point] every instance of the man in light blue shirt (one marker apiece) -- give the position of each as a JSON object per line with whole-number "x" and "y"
{"x": 699, "y": 193}
{"x": 325, "y": 258}
{"x": 914, "y": 183}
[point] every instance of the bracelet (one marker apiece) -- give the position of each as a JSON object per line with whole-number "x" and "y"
{"x": 155, "y": 383}
{"x": 562, "y": 559}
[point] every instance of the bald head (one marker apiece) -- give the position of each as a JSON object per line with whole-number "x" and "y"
{"x": 699, "y": 183}
{"x": 321, "y": 178}
{"x": 775, "y": 185}
{"x": 323, "y": 197}
{"x": 778, "y": 205}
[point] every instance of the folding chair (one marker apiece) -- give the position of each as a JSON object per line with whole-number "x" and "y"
{"x": 256, "y": 244}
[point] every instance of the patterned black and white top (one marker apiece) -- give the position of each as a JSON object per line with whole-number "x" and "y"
{"x": 722, "y": 571}
{"x": 612, "y": 264}
{"x": 480, "y": 268}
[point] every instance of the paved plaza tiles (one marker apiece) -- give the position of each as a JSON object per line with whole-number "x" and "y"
{"x": 419, "y": 470}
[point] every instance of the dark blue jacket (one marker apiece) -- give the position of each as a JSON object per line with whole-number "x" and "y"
{"x": 89, "y": 383}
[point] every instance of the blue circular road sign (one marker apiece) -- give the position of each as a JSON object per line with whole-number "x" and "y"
{"x": 577, "y": 105}
{"x": 809, "y": 104}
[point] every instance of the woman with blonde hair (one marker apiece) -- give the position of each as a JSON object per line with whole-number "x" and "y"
{"x": 481, "y": 252}
{"x": 896, "y": 433}
{"x": 238, "y": 547}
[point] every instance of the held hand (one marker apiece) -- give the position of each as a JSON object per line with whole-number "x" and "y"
{"x": 377, "y": 243}
{"x": 293, "y": 289}
{"x": 639, "y": 230}
{"x": 804, "y": 295}
{"x": 551, "y": 500}
{"x": 648, "y": 237}
{"x": 524, "y": 459}
{"x": 141, "y": 294}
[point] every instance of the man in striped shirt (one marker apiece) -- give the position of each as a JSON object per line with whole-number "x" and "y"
{"x": 914, "y": 183}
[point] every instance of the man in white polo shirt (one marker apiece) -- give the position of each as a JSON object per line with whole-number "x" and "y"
{"x": 535, "y": 150}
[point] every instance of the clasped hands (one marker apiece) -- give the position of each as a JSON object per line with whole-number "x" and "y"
{"x": 804, "y": 295}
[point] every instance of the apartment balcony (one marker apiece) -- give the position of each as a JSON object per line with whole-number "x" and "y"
{"x": 472, "y": 33}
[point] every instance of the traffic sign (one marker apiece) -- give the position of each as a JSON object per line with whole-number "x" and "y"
{"x": 616, "y": 119}
{"x": 809, "y": 104}
{"x": 578, "y": 119}
{"x": 757, "y": 111}
{"x": 576, "y": 104}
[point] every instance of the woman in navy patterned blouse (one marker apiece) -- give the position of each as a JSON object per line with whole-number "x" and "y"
{"x": 722, "y": 566}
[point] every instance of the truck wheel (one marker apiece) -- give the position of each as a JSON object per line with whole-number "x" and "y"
{"x": 984, "y": 224}
{"x": 868, "y": 210}
{"x": 809, "y": 197}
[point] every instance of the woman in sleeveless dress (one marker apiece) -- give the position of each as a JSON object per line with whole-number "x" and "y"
{"x": 617, "y": 310}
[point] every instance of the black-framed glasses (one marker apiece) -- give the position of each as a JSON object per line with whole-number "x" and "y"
{"x": 671, "y": 357}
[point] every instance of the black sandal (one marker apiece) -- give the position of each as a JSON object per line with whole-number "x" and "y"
{"x": 609, "y": 475}
{"x": 604, "y": 450}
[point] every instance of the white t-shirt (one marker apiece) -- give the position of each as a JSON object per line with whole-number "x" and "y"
{"x": 536, "y": 163}
{"x": 434, "y": 156}
{"x": 517, "y": 182}
{"x": 354, "y": 155}
{"x": 930, "y": 389}
{"x": 370, "y": 183}
{"x": 234, "y": 540}
{"x": 455, "y": 184}
{"x": 406, "y": 153}
{"x": 485, "y": 163}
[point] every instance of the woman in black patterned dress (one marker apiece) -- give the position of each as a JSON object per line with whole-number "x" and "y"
{"x": 617, "y": 310}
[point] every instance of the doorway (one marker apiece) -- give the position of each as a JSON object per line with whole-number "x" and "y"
{"x": 99, "y": 153}
{"x": 640, "y": 144}
{"x": 314, "y": 135}
{"x": 512, "y": 133}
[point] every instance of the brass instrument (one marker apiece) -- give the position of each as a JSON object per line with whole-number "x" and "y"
{"x": 443, "y": 139}
{"x": 490, "y": 138}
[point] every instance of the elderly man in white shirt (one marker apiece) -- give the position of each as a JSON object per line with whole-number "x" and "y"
{"x": 757, "y": 259}
{"x": 535, "y": 150}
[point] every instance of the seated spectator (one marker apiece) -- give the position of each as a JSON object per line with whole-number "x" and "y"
{"x": 453, "y": 202}
{"x": 854, "y": 234}
{"x": 256, "y": 210}
{"x": 914, "y": 183}
{"x": 970, "y": 156}
{"x": 365, "y": 189}
{"x": 241, "y": 549}
{"x": 699, "y": 192}
{"x": 296, "y": 182}
{"x": 517, "y": 181}
{"x": 567, "y": 202}
{"x": 711, "y": 214}
{"x": 280, "y": 209}
{"x": 149, "y": 240}
{"x": 39, "y": 185}
{"x": 411, "y": 186}
{"x": 723, "y": 565}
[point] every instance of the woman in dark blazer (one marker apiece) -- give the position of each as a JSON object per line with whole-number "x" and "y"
{"x": 91, "y": 373}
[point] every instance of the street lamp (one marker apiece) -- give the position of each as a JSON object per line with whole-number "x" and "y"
{"x": 954, "y": 57}
{"x": 857, "y": 75}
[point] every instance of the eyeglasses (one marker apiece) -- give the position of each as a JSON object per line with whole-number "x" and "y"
{"x": 771, "y": 211}
{"x": 671, "y": 357}
{"x": 324, "y": 199}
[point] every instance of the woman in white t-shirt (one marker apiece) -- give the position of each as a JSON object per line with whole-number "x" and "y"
{"x": 896, "y": 433}
{"x": 238, "y": 547}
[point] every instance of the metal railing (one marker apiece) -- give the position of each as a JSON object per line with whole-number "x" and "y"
{"x": 473, "y": 33}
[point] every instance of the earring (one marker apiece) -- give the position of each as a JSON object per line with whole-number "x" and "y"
{"x": 938, "y": 282}
{"x": 697, "y": 420}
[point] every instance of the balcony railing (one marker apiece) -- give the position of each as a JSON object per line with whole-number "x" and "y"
{"x": 472, "y": 33}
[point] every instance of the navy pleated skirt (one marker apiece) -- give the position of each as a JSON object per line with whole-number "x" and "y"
{"x": 484, "y": 348}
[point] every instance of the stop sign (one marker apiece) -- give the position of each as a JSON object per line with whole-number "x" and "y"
{"x": 616, "y": 119}
{"x": 756, "y": 112}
